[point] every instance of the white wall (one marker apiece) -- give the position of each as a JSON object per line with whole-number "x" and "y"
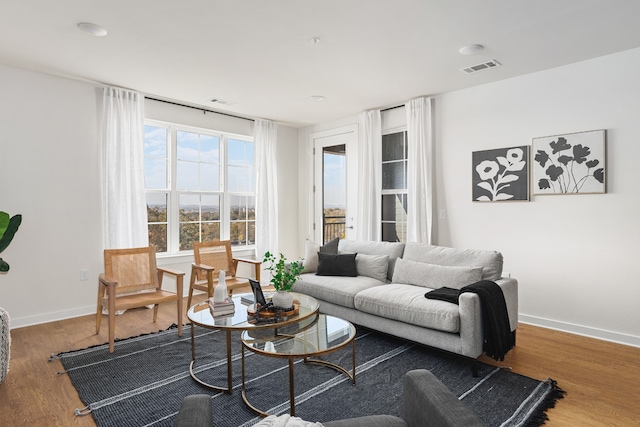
{"x": 573, "y": 256}
{"x": 50, "y": 173}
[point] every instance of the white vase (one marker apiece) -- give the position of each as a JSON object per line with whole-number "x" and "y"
{"x": 282, "y": 299}
{"x": 220, "y": 291}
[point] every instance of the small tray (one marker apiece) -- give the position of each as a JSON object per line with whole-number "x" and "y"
{"x": 269, "y": 313}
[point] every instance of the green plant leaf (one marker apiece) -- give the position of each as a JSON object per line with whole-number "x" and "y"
{"x": 4, "y": 223}
{"x": 11, "y": 229}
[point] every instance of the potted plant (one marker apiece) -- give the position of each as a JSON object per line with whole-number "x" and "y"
{"x": 8, "y": 227}
{"x": 283, "y": 276}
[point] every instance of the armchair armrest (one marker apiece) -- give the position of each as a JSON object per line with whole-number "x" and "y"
{"x": 256, "y": 265}
{"x": 173, "y": 272}
{"x": 429, "y": 402}
{"x": 107, "y": 280}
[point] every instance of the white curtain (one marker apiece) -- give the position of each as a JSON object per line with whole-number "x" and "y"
{"x": 124, "y": 202}
{"x": 369, "y": 203}
{"x": 419, "y": 170}
{"x": 265, "y": 135}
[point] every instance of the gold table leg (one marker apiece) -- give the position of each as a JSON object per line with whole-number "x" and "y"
{"x": 229, "y": 388}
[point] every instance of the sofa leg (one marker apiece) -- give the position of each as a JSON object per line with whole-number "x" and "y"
{"x": 474, "y": 367}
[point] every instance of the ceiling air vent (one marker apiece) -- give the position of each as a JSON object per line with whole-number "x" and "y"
{"x": 221, "y": 101}
{"x": 480, "y": 67}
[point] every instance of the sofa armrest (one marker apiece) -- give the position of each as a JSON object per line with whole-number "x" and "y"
{"x": 510, "y": 290}
{"x": 195, "y": 411}
{"x": 428, "y": 402}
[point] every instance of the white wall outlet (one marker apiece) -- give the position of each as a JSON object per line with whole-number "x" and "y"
{"x": 506, "y": 275}
{"x": 84, "y": 274}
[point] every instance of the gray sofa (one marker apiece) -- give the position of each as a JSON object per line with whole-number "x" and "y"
{"x": 387, "y": 294}
{"x": 426, "y": 403}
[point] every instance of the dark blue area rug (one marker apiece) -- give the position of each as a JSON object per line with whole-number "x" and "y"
{"x": 144, "y": 381}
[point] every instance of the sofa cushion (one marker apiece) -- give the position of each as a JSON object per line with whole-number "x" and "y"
{"x": 392, "y": 249}
{"x": 434, "y": 276}
{"x": 374, "y": 266}
{"x": 406, "y": 303}
{"x": 337, "y": 265}
{"x": 490, "y": 261}
{"x": 311, "y": 249}
{"x": 334, "y": 289}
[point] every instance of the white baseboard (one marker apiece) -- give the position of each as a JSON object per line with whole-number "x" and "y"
{"x": 585, "y": 331}
{"x": 22, "y": 322}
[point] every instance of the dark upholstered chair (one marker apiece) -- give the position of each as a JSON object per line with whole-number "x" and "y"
{"x": 427, "y": 403}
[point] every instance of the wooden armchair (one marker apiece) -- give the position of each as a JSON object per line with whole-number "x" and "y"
{"x": 131, "y": 279}
{"x": 212, "y": 257}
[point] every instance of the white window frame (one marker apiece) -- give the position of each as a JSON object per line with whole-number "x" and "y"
{"x": 173, "y": 194}
{"x": 395, "y": 191}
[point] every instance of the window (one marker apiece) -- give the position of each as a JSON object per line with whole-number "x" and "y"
{"x": 394, "y": 187}
{"x": 200, "y": 187}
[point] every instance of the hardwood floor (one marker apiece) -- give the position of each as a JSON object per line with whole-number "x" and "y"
{"x": 602, "y": 379}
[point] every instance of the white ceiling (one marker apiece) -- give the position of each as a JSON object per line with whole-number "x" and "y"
{"x": 258, "y": 54}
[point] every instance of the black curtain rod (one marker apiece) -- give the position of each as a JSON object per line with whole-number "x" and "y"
{"x": 392, "y": 108}
{"x": 198, "y": 108}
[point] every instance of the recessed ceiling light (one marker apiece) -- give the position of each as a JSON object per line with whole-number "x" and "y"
{"x": 317, "y": 98}
{"x": 314, "y": 40}
{"x": 471, "y": 49}
{"x": 93, "y": 29}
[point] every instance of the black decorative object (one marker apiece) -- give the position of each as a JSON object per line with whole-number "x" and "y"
{"x": 501, "y": 174}
{"x": 573, "y": 163}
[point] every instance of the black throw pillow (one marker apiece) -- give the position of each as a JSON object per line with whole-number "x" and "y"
{"x": 337, "y": 265}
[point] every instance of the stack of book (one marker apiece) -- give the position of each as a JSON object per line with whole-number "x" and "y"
{"x": 224, "y": 308}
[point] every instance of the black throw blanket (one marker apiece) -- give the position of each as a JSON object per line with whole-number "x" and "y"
{"x": 498, "y": 338}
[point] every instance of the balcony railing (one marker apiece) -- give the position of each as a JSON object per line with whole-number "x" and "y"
{"x": 333, "y": 226}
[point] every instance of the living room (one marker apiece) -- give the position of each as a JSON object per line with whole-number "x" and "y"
{"x": 572, "y": 256}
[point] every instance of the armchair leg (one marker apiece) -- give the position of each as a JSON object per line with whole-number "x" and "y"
{"x": 112, "y": 316}
{"x": 98, "y": 313}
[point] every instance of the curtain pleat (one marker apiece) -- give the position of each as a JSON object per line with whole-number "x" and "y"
{"x": 124, "y": 200}
{"x": 265, "y": 135}
{"x": 419, "y": 170}
{"x": 369, "y": 202}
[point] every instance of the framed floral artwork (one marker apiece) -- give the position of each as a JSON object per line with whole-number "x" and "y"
{"x": 573, "y": 163}
{"x": 501, "y": 174}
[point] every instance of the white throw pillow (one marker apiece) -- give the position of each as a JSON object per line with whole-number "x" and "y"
{"x": 374, "y": 266}
{"x": 310, "y": 262}
{"x": 434, "y": 276}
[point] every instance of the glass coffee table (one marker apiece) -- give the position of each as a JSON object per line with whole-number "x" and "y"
{"x": 241, "y": 320}
{"x": 305, "y": 340}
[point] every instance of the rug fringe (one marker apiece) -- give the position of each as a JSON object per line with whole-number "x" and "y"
{"x": 57, "y": 356}
{"x": 540, "y": 417}
{"x": 83, "y": 411}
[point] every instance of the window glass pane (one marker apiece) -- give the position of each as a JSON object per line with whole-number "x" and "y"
{"x": 189, "y": 207}
{"x": 210, "y": 207}
{"x": 155, "y": 142}
{"x": 155, "y": 157}
{"x": 393, "y": 146}
{"x": 251, "y": 208}
{"x": 210, "y": 231}
{"x": 238, "y": 235}
{"x": 156, "y": 207}
{"x": 189, "y": 233}
{"x": 393, "y": 176}
{"x": 238, "y": 207}
{"x": 236, "y": 152}
{"x": 187, "y": 146}
{"x": 209, "y": 177}
{"x": 251, "y": 237}
{"x": 187, "y": 175}
{"x": 238, "y": 179}
{"x": 209, "y": 149}
{"x": 158, "y": 236}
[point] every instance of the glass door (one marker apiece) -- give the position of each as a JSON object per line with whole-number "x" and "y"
{"x": 334, "y": 187}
